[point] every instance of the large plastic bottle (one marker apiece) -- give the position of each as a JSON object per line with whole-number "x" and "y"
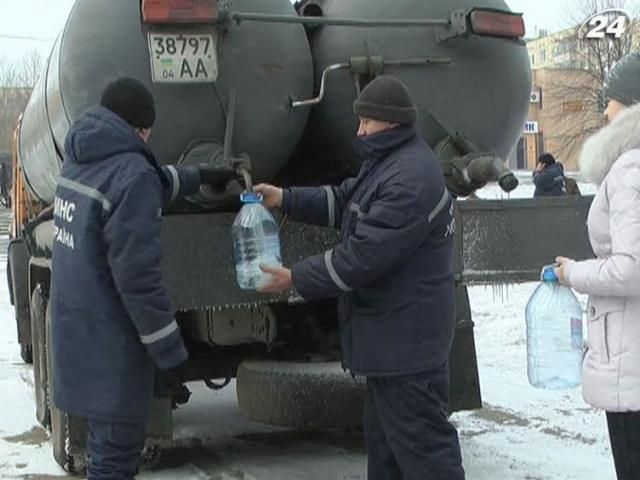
{"x": 554, "y": 335}
{"x": 256, "y": 242}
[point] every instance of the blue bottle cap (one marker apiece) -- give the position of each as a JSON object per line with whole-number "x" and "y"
{"x": 251, "y": 197}
{"x": 549, "y": 274}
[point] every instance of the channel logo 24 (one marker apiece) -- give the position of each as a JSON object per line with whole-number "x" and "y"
{"x": 611, "y": 23}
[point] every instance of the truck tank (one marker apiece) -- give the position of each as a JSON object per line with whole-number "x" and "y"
{"x": 265, "y": 63}
{"x": 471, "y": 86}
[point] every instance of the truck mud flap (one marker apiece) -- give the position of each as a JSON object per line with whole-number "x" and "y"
{"x": 198, "y": 264}
{"x": 464, "y": 384}
{"x": 509, "y": 241}
{"x": 18, "y": 279}
{"x": 497, "y": 241}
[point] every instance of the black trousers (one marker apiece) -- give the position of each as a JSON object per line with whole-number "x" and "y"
{"x": 114, "y": 449}
{"x": 407, "y": 430}
{"x": 624, "y": 433}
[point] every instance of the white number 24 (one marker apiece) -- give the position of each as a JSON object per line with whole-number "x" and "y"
{"x": 602, "y": 26}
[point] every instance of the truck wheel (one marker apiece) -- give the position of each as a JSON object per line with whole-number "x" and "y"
{"x": 300, "y": 395}
{"x": 61, "y": 424}
{"x": 38, "y": 309}
{"x": 26, "y": 352}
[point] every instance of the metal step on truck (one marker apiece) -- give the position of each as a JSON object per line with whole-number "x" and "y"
{"x": 274, "y": 83}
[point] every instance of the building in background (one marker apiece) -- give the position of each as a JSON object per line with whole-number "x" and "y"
{"x": 563, "y": 112}
{"x": 566, "y": 106}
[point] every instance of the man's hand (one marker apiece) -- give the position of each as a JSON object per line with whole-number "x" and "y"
{"x": 560, "y": 270}
{"x": 272, "y": 196}
{"x": 280, "y": 282}
{"x": 216, "y": 175}
{"x": 175, "y": 388}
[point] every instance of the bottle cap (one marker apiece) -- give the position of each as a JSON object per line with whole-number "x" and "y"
{"x": 549, "y": 274}
{"x": 251, "y": 197}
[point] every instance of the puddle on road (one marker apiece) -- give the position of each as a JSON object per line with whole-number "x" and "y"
{"x": 33, "y": 476}
{"x": 36, "y": 437}
{"x": 201, "y": 460}
{"x": 505, "y": 417}
{"x": 500, "y": 416}
{"x": 225, "y": 459}
{"x": 347, "y": 440}
{"x": 473, "y": 433}
{"x": 566, "y": 435}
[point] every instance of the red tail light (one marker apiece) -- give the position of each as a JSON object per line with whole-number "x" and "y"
{"x": 497, "y": 24}
{"x": 179, "y": 11}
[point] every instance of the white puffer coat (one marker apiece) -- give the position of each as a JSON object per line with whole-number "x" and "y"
{"x": 611, "y": 369}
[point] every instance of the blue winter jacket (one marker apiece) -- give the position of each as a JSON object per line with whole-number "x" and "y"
{"x": 550, "y": 182}
{"x": 112, "y": 319}
{"x": 392, "y": 267}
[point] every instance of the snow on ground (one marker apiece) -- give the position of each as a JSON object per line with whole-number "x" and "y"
{"x": 24, "y": 447}
{"x": 521, "y": 433}
{"x": 532, "y": 434}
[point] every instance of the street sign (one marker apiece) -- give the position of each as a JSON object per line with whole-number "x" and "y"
{"x": 530, "y": 127}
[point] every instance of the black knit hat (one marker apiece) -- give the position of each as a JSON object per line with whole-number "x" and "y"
{"x": 386, "y": 99}
{"x": 130, "y": 100}
{"x": 546, "y": 159}
{"x": 623, "y": 80}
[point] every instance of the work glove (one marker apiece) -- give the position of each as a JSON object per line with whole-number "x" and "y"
{"x": 172, "y": 384}
{"x": 173, "y": 377}
{"x": 217, "y": 175}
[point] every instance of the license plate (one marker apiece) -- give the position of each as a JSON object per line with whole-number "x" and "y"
{"x": 183, "y": 58}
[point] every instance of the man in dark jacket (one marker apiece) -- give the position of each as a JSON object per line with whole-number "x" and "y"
{"x": 112, "y": 320}
{"x": 549, "y": 177}
{"x": 391, "y": 273}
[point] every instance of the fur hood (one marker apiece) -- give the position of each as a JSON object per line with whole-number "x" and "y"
{"x": 601, "y": 150}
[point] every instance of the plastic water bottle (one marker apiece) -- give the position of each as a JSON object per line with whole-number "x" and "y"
{"x": 554, "y": 335}
{"x": 255, "y": 242}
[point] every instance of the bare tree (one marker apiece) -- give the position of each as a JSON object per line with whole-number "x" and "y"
{"x": 597, "y": 56}
{"x": 576, "y": 90}
{"x": 30, "y": 67}
{"x": 17, "y": 80}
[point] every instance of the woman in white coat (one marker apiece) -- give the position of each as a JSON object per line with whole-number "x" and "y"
{"x": 611, "y": 368}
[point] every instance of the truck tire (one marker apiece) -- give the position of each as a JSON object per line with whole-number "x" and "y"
{"x": 18, "y": 277}
{"x": 300, "y": 395}
{"x": 71, "y": 459}
{"x": 38, "y": 309}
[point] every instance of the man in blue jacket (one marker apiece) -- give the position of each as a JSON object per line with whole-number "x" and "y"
{"x": 548, "y": 177}
{"x": 392, "y": 275}
{"x": 112, "y": 321}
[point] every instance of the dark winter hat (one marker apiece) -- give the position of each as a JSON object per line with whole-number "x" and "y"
{"x": 386, "y": 99}
{"x": 623, "y": 80}
{"x": 130, "y": 100}
{"x": 546, "y": 159}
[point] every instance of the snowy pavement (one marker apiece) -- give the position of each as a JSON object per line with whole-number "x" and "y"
{"x": 520, "y": 434}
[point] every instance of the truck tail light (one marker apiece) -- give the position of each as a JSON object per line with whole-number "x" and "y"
{"x": 493, "y": 23}
{"x": 179, "y": 11}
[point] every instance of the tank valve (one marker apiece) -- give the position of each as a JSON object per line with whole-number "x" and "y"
{"x": 248, "y": 182}
{"x": 508, "y": 182}
{"x": 311, "y": 9}
{"x": 466, "y": 174}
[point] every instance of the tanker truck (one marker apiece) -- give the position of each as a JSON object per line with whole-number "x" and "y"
{"x": 269, "y": 86}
